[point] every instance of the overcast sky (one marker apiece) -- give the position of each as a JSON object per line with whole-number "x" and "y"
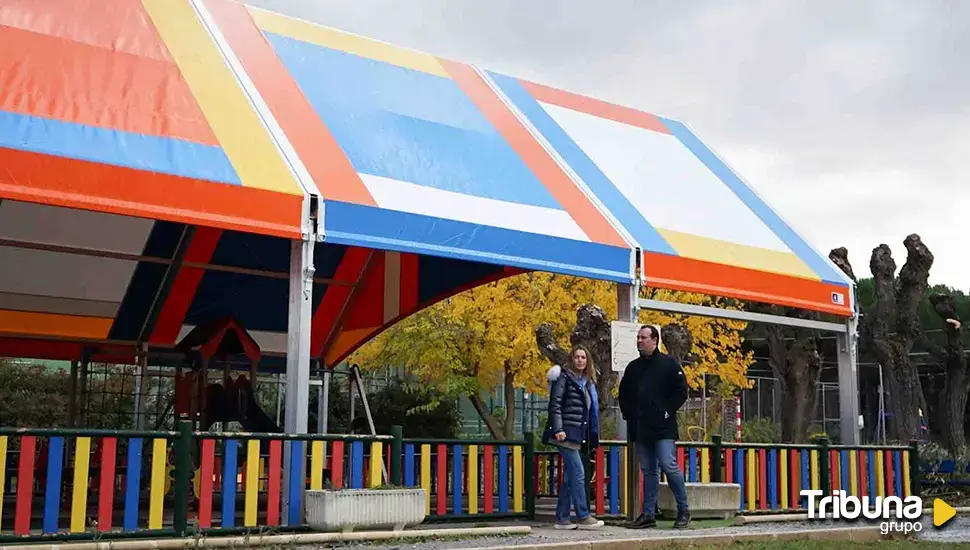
{"x": 851, "y": 118}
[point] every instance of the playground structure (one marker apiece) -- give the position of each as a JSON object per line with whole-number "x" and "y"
{"x": 195, "y": 173}
{"x": 204, "y": 403}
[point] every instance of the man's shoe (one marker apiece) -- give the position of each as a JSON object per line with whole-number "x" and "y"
{"x": 590, "y": 524}
{"x": 683, "y": 519}
{"x": 567, "y": 526}
{"x": 643, "y": 522}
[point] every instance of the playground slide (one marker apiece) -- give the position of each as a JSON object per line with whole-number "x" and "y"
{"x": 237, "y": 402}
{"x": 252, "y": 417}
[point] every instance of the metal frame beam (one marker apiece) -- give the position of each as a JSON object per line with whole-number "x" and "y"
{"x": 847, "y": 334}
{"x": 737, "y": 315}
{"x": 60, "y": 249}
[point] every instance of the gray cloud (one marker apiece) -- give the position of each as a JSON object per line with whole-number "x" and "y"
{"x": 851, "y": 118}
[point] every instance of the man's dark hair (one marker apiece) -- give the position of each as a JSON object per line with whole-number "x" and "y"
{"x": 654, "y": 333}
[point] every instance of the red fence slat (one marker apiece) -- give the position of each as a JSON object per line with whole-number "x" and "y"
{"x": 274, "y": 476}
{"x": 489, "y": 469}
{"x": 106, "y": 492}
{"x": 25, "y": 485}
{"x": 442, "y": 508}
{"x": 205, "y": 483}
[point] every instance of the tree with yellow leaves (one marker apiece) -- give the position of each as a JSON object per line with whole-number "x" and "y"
{"x": 717, "y": 346}
{"x": 474, "y": 341}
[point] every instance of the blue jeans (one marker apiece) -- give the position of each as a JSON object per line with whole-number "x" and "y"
{"x": 572, "y": 492}
{"x": 661, "y": 451}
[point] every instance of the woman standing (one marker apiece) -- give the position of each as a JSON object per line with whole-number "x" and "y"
{"x": 572, "y": 424}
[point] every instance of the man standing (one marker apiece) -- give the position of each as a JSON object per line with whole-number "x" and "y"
{"x": 653, "y": 388}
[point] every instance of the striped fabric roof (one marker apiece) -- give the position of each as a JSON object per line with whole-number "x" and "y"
{"x": 158, "y": 156}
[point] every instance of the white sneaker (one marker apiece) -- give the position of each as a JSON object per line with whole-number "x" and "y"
{"x": 568, "y": 526}
{"x": 590, "y": 524}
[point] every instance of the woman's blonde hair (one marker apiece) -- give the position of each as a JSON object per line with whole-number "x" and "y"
{"x": 590, "y": 372}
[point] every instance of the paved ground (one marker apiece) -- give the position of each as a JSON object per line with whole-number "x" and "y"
{"x": 958, "y": 530}
{"x": 543, "y": 533}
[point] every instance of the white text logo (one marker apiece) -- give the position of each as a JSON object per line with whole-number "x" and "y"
{"x": 840, "y": 505}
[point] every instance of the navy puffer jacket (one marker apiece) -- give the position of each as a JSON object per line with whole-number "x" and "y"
{"x": 568, "y": 412}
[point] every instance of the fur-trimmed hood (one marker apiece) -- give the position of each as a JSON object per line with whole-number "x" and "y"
{"x": 553, "y": 373}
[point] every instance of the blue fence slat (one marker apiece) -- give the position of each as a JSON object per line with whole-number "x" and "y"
{"x": 692, "y": 464}
{"x": 357, "y": 465}
{"x": 294, "y": 515}
{"x": 230, "y": 470}
{"x": 898, "y": 473}
{"x": 52, "y": 494}
{"x": 740, "y": 473}
{"x": 409, "y": 465}
{"x": 872, "y": 474}
{"x": 133, "y": 481}
{"x": 844, "y": 464}
{"x": 614, "y": 480}
{"x": 773, "y": 478}
{"x": 457, "y": 480}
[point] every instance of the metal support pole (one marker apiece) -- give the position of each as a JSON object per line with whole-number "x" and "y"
{"x": 627, "y": 309}
{"x": 359, "y": 382}
{"x": 530, "y": 475}
{"x": 72, "y": 392}
{"x": 141, "y": 382}
{"x": 824, "y": 465}
{"x": 353, "y": 406}
{"x": 849, "y": 384}
{"x": 397, "y": 448}
{"x": 279, "y": 398}
{"x": 298, "y": 337}
{"x": 83, "y": 393}
{"x": 297, "y": 360}
{"x": 323, "y": 403}
{"x": 881, "y": 423}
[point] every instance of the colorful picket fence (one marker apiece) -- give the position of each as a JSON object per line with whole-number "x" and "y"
{"x": 771, "y": 476}
{"x": 469, "y": 478}
{"x": 66, "y": 484}
{"x": 67, "y": 481}
{"x": 71, "y": 484}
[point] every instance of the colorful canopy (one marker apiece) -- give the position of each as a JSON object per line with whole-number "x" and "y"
{"x": 157, "y": 156}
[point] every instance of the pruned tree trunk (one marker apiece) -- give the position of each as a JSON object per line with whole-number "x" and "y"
{"x": 592, "y": 330}
{"x": 799, "y": 370}
{"x": 952, "y": 400}
{"x": 797, "y": 365}
{"x": 504, "y": 428}
{"x": 495, "y": 428}
{"x": 678, "y": 342}
{"x": 895, "y": 327}
{"x": 795, "y": 361}
{"x": 509, "y": 383}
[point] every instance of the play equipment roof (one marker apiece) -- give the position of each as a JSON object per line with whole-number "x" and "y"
{"x": 159, "y": 154}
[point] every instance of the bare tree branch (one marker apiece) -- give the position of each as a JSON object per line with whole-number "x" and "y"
{"x": 549, "y": 347}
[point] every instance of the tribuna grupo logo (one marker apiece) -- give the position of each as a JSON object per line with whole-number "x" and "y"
{"x": 898, "y": 515}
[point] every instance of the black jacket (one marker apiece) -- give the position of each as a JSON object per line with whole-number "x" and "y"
{"x": 568, "y": 412}
{"x": 653, "y": 388}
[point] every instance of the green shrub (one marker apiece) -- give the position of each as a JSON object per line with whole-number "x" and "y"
{"x": 760, "y": 430}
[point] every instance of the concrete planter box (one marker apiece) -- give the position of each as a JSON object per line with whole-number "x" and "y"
{"x": 706, "y": 500}
{"x": 349, "y": 509}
